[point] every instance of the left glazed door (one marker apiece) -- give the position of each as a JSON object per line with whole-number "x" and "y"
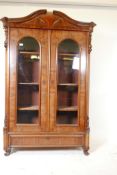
{"x": 28, "y": 91}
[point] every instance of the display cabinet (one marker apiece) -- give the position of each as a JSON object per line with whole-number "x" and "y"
{"x": 47, "y": 81}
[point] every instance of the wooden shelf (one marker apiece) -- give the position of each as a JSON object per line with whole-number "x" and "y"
{"x": 68, "y": 54}
{"x": 29, "y": 84}
{"x": 68, "y": 84}
{"x": 66, "y": 59}
{"x": 70, "y": 108}
{"x": 29, "y": 52}
{"x": 28, "y": 108}
{"x": 31, "y": 55}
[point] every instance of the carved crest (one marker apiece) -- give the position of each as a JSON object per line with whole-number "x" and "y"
{"x": 42, "y": 19}
{"x": 48, "y": 20}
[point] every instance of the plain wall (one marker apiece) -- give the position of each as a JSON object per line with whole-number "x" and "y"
{"x": 103, "y": 71}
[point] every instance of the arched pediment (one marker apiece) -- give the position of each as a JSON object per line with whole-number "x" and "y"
{"x": 48, "y": 20}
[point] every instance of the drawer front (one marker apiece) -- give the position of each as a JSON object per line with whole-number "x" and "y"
{"x": 45, "y": 141}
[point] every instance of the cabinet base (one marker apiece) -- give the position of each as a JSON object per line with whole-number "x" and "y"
{"x": 46, "y": 141}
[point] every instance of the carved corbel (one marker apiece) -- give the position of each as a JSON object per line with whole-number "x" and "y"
{"x": 90, "y": 37}
{"x": 5, "y": 26}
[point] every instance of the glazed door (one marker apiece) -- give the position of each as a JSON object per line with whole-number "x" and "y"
{"x": 67, "y": 81}
{"x": 29, "y": 80}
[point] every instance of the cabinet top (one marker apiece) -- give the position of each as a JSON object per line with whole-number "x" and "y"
{"x": 42, "y": 19}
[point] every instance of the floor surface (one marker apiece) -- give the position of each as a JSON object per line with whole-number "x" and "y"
{"x": 101, "y": 161}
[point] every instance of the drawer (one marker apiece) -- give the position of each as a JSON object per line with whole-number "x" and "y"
{"x": 45, "y": 141}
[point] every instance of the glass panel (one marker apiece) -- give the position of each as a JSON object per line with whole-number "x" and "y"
{"x": 28, "y": 81}
{"x": 66, "y": 117}
{"x": 67, "y": 88}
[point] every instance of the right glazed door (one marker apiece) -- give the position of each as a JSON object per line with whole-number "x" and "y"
{"x": 67, "y": 81}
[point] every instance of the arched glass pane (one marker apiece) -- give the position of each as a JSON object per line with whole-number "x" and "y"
{"x": 68, "y": 61}
{"x": 28, "y": 81}
{"x": 67, "y": 89}
{"x": 28, "y": 44}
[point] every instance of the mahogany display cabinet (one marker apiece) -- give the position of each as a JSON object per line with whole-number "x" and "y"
{"x": 47, "y": 81}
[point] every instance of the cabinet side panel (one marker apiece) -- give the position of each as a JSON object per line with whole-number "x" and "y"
{"x": 6, "y": 120}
